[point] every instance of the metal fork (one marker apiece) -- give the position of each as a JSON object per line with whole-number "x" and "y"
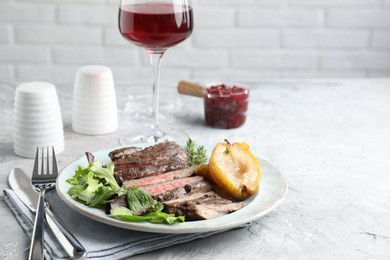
{"x": 41, "y": 181}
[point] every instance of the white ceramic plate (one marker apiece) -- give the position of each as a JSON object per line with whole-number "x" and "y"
{"x": 273, "y": 189}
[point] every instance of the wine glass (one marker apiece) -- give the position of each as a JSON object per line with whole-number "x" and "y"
{"x": 155, "y": 25}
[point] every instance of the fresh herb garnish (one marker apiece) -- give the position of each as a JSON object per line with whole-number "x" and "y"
{"x": 227, "y": 151}
{"x": 196, "y": 153}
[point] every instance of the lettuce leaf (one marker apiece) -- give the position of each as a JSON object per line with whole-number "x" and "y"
{"x": 139, "y": 201}
{"x": 142, "y": 207}
{"x": 95, "y": 186}
{"x": 155, "y": 217}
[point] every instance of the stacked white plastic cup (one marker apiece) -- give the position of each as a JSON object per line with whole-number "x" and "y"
{"x": 94, "y": 109}
{"x": 37, "y": 119}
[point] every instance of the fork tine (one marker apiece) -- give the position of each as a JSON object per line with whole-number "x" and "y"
{"x": 55, "y": 167}
{"x": 47, "y": 161}
{"x": 36, "y": 162}
{"x": 43, "y": 161}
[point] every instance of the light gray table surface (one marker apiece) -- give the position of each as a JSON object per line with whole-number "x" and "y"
{"x": 330, "y": 139}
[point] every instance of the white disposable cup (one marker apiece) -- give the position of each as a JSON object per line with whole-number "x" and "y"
{"x": 94, "y": 107}
{"x": 37, "y": 119}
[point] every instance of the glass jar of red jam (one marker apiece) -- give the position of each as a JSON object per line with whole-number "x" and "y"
{"x": 225, "y": 106}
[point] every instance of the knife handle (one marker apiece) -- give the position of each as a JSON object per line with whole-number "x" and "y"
{"x": 68, "y": 242}
{"x": 36, "y": 248}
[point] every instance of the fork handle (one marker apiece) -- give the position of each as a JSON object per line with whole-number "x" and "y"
{"x": 36, "y": 248}
{"x": 69, "y": 243}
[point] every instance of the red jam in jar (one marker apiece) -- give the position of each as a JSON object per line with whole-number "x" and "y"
{"x": 226, "y": 107}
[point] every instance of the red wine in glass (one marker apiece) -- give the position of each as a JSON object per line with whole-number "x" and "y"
{"x": 155, "y": 26}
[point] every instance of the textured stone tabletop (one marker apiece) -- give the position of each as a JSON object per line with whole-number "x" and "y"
{"x": 330, "y": 139}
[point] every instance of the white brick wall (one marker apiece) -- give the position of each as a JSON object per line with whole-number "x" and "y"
{"x": 232, "y": 40}
{"x": 381, "y": 40}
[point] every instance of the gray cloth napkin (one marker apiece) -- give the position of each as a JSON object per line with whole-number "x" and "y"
{"x": 100, "y": 240}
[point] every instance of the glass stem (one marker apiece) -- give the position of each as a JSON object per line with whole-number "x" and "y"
{"x": 155, "y": 60}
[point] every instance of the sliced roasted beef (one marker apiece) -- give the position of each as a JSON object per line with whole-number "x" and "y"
{"x": 176, "y": 188}
{"x": 211, "y": 210}
{"x": 123, "y": 152}
{"x": 172, "y": 175}
{"x": 201, "y": 205}
{"x": 189, "y": 197}
{"x": 150, "y": 161}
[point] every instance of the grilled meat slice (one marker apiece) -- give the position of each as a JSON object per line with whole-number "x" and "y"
{"x": 172, "y": 175}
{"x": 211, "y": 210}
{"x": 123, "y": 152}
{"x": 178, "y": 202}
{"x": 153, "y": 160}
{"x": 176, "y": 188}
{"x": 201, "y": 205}
{"x": 173, "y": 189}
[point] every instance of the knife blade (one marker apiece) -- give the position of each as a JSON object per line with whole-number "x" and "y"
{"x": 21, "y": 185}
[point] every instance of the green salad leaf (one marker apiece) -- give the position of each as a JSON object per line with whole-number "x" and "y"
{"x": 142, "y": 207}
{"x": 140, "y": 201}
{"x": 95, "y": 186}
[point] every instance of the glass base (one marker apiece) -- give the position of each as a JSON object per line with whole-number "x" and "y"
{"x": 150, "y": 136}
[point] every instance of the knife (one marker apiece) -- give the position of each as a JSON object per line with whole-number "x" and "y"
{"x": 21, "y": 185}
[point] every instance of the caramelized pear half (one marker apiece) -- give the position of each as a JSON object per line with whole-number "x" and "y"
{"x": 235, "y": 169}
